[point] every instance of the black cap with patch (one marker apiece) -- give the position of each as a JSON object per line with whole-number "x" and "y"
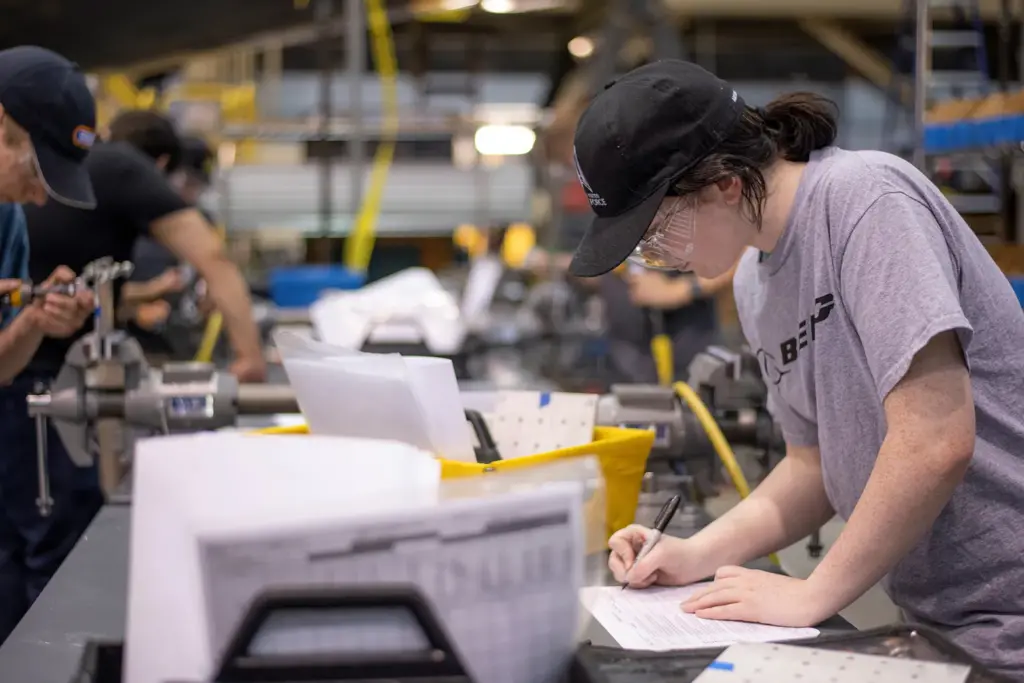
{"x": 637, "y": 137}
{"x": 48, "y": 96}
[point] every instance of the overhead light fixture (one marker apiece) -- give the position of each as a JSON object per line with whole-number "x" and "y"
{"x": 495, "y": 140}
{"x": 454, "y": 5}
{"x": 498, "y": 6}
{"x": 581, "y": 47}
{"x": 518, "y": 6}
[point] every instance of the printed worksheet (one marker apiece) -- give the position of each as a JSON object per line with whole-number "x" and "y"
{"x": 502, "y": 572}
{"x": 790, "y": 664}
{"x": 653, "y": 619}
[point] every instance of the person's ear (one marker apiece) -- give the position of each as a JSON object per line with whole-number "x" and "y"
{"x": 162, "y": 161}
{"x": 731, "y": 189}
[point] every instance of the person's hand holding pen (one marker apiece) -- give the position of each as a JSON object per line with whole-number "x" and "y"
{"x": 667, "y": 561}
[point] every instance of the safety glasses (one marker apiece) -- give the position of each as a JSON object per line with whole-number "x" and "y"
{"x": 669, "y": 241}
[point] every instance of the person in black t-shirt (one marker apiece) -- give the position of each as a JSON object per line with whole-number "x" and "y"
{"x": 135, "y": 198}
{"x": 161, "y": 285}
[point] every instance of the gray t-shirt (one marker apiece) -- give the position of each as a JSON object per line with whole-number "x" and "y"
{"x": 873, "y": 264}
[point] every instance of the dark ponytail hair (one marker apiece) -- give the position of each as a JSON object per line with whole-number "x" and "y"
{"x": 790, "y": 127}
{"x": 800, "y": 123}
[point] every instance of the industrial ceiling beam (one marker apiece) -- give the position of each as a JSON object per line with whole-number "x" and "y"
{"x": 303, "y": 34}
{"x": 858, "y": 55}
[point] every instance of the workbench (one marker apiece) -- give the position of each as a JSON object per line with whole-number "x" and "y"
{"x": 86, "y": 600}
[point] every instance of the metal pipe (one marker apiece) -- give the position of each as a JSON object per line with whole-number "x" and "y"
{"x": 921, "y": 66}
{"x": 1007, "y": 190}
{"x": 108, "y": 404}
{"x": 265, "y": 399}
{"x": 324, "y": 10}
{"x": 355, "y": 59}
{"x": 291, "y": 316}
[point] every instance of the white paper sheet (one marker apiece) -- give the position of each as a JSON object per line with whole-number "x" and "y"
{"x": 232, "y": 483}
{"x": 410, "y": 399}
{"x": 652, "y": 619}
{"x": 502, "y": 573}
{"x": 481, "y": 284}
{"x": 791, "y": 664}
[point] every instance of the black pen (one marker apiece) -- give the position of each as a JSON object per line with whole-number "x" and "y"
{"x": 663, "y": 520}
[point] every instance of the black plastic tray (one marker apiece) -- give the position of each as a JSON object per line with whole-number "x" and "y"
{"x": 613, "y": 665}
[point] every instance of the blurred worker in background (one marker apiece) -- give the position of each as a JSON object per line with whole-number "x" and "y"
{"x": 47, "y": 122}
{"x": 632, "y": 299}
{"x": 157, "y": 287}
{"x": 686, "y": 304}
{"x": 132, "y": 175}
{"x": 889, "y": 339}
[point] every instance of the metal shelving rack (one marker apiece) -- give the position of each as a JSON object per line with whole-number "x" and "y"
{"x": 994, "y": 143}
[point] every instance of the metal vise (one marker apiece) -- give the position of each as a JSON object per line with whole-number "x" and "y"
{"x": 731, "y": 387}
{"x": 106, "y": 396}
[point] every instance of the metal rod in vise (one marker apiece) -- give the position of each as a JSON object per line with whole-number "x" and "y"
{"x": 265, "y": 399}
{"x": 45, "y": 500}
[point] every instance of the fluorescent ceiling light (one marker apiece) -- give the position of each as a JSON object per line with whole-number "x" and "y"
{"x": 497, "y": 140}
{"x": 498, "y": 6}
{"x": 581, "y": 47}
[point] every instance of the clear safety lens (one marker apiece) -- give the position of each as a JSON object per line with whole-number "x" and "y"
{"x": 668, "y": 243}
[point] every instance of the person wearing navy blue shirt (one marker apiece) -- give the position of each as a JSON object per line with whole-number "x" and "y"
{"x": 47, "y": 123}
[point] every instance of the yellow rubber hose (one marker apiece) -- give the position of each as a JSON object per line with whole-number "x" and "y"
{"x": 359, "y": 245}
{"x": 214, "y": 325}
{"x": 664, "y": 362}
{"x": 211, "y": 333}
{"x": 721, "y": 446}
{"x": 661, "y": 348}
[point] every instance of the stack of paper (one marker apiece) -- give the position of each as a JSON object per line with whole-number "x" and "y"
{"x": 653, "y": 619}
{"x": 407, "y": 307}
{"x": 410, "y": 399}
{"x": 239, "y": 484}
{"x": 220, "y": 519}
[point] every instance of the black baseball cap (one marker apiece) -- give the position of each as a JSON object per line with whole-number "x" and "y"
{"x": 634, "y": 141}
{"x": 48, "y": 96}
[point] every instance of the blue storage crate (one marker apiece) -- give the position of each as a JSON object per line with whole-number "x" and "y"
{"x": 300, "y": 286}
{"x": 1018, "y": 288}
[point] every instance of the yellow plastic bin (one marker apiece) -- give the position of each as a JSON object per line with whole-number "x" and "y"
{"x": 622, "y": 454}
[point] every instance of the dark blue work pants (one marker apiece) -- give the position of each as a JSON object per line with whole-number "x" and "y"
{"x": 32, "y": 547}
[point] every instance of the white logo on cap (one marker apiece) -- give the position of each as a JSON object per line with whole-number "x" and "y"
{"x": 594, "y": 198}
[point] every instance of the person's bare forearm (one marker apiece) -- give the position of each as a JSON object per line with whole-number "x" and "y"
{"x": 19, "y": 341}
{"x": 133, "y": 293}
{"x": 230, "y": 294}
{"x": 904, "y": 495}
{"x": 926, "y": 452}
{"x": 788, "y": 505}
{"x": 712, "y": 286}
